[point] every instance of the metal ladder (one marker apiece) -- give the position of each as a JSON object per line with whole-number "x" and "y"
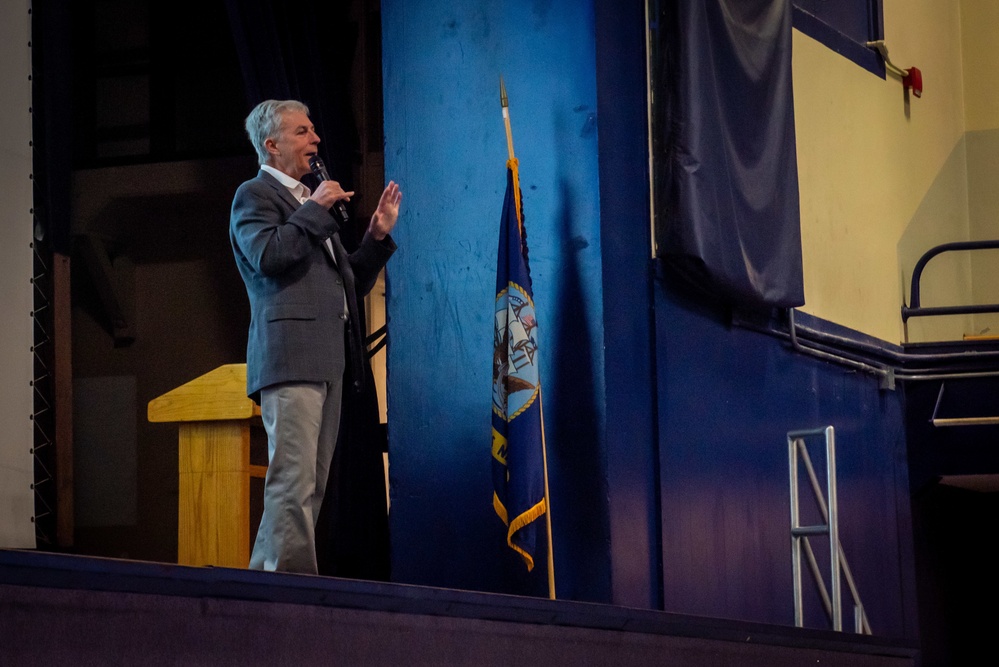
{"x": 827, "y": 503}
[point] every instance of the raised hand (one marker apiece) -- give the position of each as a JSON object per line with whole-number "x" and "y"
{"x": 387, "y": 213}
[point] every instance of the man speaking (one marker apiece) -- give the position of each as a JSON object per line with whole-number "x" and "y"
{"x": 303, "y": 289}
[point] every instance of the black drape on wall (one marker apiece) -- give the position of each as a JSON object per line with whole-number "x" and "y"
{"x": 52, "y": 106}
{"x": 304, "y": 49}
{"x": 725, "y": 164}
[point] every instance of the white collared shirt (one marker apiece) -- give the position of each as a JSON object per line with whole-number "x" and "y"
{"x": 297, "y": 189}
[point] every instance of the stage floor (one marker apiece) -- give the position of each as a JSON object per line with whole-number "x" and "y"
{"x": 83, "y": 610}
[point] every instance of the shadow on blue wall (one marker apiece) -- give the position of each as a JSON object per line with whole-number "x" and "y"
{"x": 576, "y": 457}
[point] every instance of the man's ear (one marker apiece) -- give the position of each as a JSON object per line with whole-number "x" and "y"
{"x": 271, "y": 146}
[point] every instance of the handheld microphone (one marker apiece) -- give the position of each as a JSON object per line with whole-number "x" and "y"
{"x": 319, "y": 170}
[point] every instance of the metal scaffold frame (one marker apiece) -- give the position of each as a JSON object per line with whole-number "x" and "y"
{"x": 827, "y": 503}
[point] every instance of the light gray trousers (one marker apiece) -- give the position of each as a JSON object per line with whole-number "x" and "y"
{"x": 301, "y": 420}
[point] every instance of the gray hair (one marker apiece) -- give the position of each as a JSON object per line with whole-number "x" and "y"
{"x": 264, "y": 123}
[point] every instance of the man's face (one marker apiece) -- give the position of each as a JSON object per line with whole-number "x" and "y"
{"x": 291, "y": 149}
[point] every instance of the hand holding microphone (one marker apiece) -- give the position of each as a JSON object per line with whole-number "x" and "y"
{"x": 324, "y": 193}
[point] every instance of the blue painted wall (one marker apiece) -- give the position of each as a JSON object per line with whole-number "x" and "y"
{"x": 728, "y": 397}
{"x": 629, "y": 354}
{"x": 665, "y": 425}
{"x": 445, "y": 142}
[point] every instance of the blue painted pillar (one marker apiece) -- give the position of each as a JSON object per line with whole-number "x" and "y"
{"x": 632, "y": 460}
{"x": 445, "y": 143}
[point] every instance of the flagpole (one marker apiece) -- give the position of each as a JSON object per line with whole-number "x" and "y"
{"x": 504, "y": 102}
{"x": 548, "y": 504}
{"x": 512, "y": 161}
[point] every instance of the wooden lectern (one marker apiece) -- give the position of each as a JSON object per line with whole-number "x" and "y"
{"x": 215, "y": 418}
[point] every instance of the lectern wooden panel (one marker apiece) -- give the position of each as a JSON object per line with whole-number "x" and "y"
{"x": 215, "y": 418}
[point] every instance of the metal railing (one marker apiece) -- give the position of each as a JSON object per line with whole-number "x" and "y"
{"x": 914, "y": 309}
{"x": 831, "y": 597}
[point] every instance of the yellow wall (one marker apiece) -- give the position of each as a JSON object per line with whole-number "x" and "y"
{"x": 979, "y": 28}
{"x": 882, "y": 176}
{"x": 979, "y": 25}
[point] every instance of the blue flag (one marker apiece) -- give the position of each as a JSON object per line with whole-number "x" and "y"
{"x": 518, "y": 456}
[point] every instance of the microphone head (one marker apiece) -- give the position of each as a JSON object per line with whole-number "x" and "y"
{"x": 318, "y": 168}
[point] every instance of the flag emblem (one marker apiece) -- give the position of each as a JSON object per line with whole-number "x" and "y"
{"x": 515, "y": 348}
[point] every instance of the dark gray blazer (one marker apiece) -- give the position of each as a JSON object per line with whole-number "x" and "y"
{"x": 296, "y": 290}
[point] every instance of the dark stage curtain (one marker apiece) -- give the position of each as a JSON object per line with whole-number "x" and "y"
{"x": 727, "y": 175}
{"x": 52, "y": 108}
{"x": 352, "y": 537}
{"x": 302, "y": 49}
